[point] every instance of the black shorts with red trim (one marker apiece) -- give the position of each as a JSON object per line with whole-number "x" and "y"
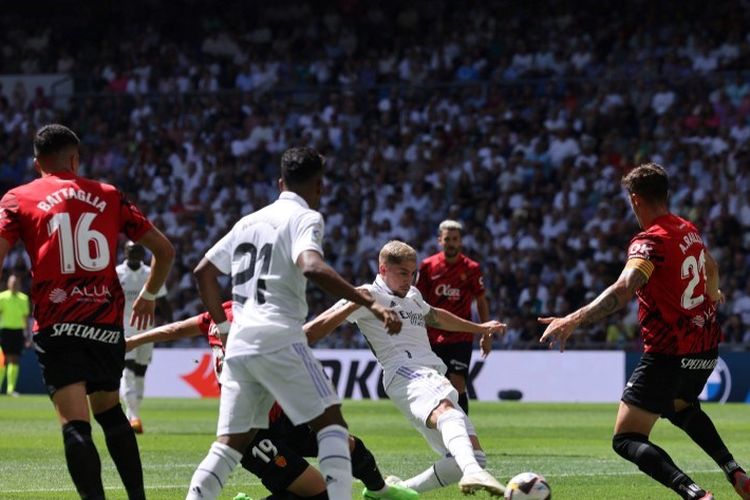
{"x": 273, "y": 461}
{"x": 659, "y": 379}
{"x": 74, "y": 352}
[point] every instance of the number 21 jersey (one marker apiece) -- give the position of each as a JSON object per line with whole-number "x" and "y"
{"x": 676, "y": 315}
{"x": 69, "y": 226}
{"x": 268, "y": 289}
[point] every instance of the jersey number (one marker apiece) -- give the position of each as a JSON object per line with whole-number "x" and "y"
{"x": 265, "y": 450}
{"x": 693, "y": 268}
{"x": 249, "y": 252}
{"x": 85, "y": 246}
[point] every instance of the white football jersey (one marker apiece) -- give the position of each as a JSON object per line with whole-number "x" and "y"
{"x": 408, "y": 348}
{"x": 268, "y": 289}
{"x": 132, "y": 283}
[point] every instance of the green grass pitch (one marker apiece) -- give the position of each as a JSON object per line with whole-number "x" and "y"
{"x": 568, "y": 443}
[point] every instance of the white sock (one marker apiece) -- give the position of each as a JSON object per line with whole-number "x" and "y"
{"x": 212, "y": 473}
{"x": 128, "y": 394}
{"x": 334, "y": 461}
{"x": 452, "y": 427}
{"x": 139, "y": 383}
{"x": 442, "y": 473}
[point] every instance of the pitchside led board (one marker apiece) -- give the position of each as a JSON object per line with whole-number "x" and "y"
{"x": 539, "y": 376}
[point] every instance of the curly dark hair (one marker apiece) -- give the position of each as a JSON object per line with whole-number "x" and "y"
{"x": 650, "y": 181}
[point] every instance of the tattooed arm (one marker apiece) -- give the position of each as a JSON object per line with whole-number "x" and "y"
{"x": 609, "y": 301}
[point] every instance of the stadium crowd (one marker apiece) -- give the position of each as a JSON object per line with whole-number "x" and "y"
{"x": 516, "y": 118}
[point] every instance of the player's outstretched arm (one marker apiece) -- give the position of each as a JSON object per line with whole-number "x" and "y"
{"x": 166, "y": 333}
{"x": 328, "y": 321}
{"x": 161, "y": 262}
{"x": 446, "y": 320}
{"x": 207, "y": 276}
{"x": 609, "y": 301}
{"x": 316, "y": 270}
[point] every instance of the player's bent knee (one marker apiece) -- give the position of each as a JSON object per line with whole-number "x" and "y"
{"x": 113, "y": 420}
{"x": 621, "y": 443}
{"x": 682, "y": 418}
{"x": 309, "y": 484}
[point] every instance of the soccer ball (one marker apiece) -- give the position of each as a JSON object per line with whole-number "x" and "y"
{"x": 528, "y": 486}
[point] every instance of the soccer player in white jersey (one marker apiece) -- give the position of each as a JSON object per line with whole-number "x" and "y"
{"x": 133, "y": 274}
{"x": 270, "y": 255}
{"x": 413, "y": 375}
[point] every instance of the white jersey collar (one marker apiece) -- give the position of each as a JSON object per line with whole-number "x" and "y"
{"x": 289, "y": 195}
{"x": 380, "y": 283}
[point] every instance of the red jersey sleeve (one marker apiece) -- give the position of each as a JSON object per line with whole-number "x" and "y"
{"x": 10, "y": 229}
{"x": 205, "y": 320}
{"x": 423, "y": 279}
{"x": 645, "y": 253}
{"x": 477, "y": 281}
{"x": 134, "y": 223}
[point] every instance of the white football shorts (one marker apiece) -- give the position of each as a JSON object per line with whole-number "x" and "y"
{"x": 416, "y": 392}
{"x": 251, "y": 383}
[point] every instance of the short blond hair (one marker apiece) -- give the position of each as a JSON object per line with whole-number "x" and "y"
{"x": 396, "y": 252}
{"x": 450, "y": 224}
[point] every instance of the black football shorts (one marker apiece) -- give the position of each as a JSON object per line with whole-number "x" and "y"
{"x": 659, "y": 379}
{"x": 457, "y": 356}
{"x": 71, "y": 352}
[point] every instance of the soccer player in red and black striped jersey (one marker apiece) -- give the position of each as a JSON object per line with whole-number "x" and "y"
{"x": 676, "y": 281}
{"x": 452, "y": 281}
{"x": 70, "y": 226}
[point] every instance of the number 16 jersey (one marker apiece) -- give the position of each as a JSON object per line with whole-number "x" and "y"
{"x": 69, "y": 226}
{"x": 676, "y": 315}
{"x": 268, "y": 289}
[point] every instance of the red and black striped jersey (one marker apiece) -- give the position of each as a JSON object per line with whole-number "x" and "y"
{"x": 70, "y": 226}
{"x": 450, "y": 286}
{"x": 676, "y": 314}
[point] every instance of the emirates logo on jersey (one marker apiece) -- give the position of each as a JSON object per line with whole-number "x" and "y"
{"x": 58, "y": 296}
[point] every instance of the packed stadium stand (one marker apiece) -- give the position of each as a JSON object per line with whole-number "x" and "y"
{"x": 516, "y": 117}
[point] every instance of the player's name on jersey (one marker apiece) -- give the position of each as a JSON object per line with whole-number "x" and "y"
{"x": 689, "y": 240}
{"x": 86, "y": 332}
{"x": 70, "y": 193}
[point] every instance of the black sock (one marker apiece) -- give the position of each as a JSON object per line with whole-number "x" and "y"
{"x": 364, "y": 466}
{"x": 696, "y": 424}
{"x": 83, "y": 460}
{"x": 656, "y": 463}
{"x": 463, "y": 402}
{"x": 123, "y": 448}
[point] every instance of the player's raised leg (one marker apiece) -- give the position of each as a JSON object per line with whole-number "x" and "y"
{"x": 452, "y": 425}
{"x": 691, "y": 418}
